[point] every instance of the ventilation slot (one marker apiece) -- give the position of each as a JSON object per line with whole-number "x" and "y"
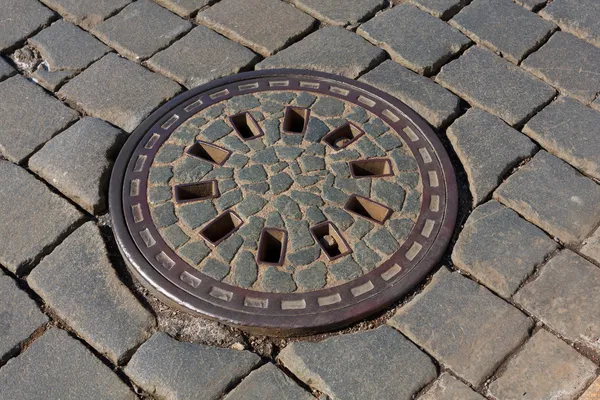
{"x": 246, "y": 126}
{"x": 221, "y": 228}
{"x": 196, "y": 191}
{"x": 295, "y": 120}
{"x": 272, "y": 246}
{"x": 343, "y": 136}
{"x": 368, "y": 209}
{"x": 371, "y": 168}
{"x": 209, "y": 152}
{"x": 330, "y": 240}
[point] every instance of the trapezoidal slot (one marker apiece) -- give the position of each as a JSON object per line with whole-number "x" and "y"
{"x": 342, "y": 136}
{"x": 295, "y": 120}
{"x": 330, "y": 240}
{"x": 209, "y": 152}
{"x": 246, "y": 126}
{"x": 221, "y": 227}
{"x": 367, "y": 208}
{"x": 196, "y": 191}
{"x": 272, "y": 246}
{"x": 373, "y": 168}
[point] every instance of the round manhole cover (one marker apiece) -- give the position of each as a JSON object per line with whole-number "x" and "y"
{"x": 283, "y": 201}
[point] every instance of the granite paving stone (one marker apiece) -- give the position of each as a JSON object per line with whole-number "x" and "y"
{"x": 118, "y": 91}
{"x": 245, "y": 270}
{"x": 276, "y": 281}
{"x": 579, "y": 17}
{"x": 568, "y": 63}
{"x": 57, "y": 366}
{"x": 499, "y": 248}
{"x": 443, "y": 9}
{"x": 564, "y": 297}
{"x": 194, "y": 252}
{"x": 141, "y": 29}
{"x": 96, "y": 305}
{"x": 440, "y": 319}
{"x": 554, "y": 196}
{"x": 6, "y": 69}
{"x": 21, "y": 18}
{"x": 245, "y": 22}
{"x": 546, "y": 368}
{"x": 487, "y": 81}
{"x": 188, "y": 171}
{"x": 208, "y": 373}
{"x": 196, "y": 214}
{"x": 175, "y": 236}
{"x": 591, "y": 246}
{"x": 330, "y": 49}
{"x": 446, "y": 387}
{"x": 414, "y": 38}
{"x": 29, "y": 117}
{"x": 313, "y": 277}
{"x": 379, "y": 363}
{"x": 569, "y": 130}
{"x": 487, "y": 149}
{"x": 78, "y": 162}
{"x": 26, "y": 235}
{"x": 215, "y": 269}
{"x": 250, "y": 205}
{"x": 184, "y": 8}
{"x": 345, "y": 269}
{"x": 340, "y": 12}
{"x": 86, "y": 13}
{"x": 503, "y": 26}
{"x": 19, "y": 317}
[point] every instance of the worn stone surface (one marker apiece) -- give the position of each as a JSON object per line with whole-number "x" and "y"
{"x": 185, "y": 8}
{"x": 434, "y": 103}
{"x": 487, "y": 149}
{"x": 331, "y": 49}
{"x": 440, "y": 319}
{"x": 505, "y": 27}
{"x": 86, "y": 13}
{"x": 446, "y": 387}
{"x": 531, "y": 4}
{"x": 363, "y": 367}
{"x": 79, "y": 283}
{"x": 29, "y": 117}
{"x": 565, "y": 298}
{"x": 21, "y": 18}
{"x": 546, "y": 368}
{"x": 6, "y": 69}
{"x": 78, "y": 162}
{"x": 554, "y": 196}
{"x": 568, "y": 63}
{"x": 591, "y": 246}
{"x": 118, "y": 91}
{"x": 579, "y": 17}
{"x": 340, "y": 12}
{"x": 57, "y": 366}
{"x": 495, "y": 85}
{"x": 414, "y": 38}
{"x": 27, "y": 235}
{"x": 499, "y": 248}
{"x": 245, "y": 22}
{"x": 209, "y": 371}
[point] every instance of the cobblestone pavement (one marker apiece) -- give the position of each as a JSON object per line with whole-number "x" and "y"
{"x": 512, "y": 89}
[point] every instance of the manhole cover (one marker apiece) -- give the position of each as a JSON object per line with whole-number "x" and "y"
{"x": 284, "y": 201}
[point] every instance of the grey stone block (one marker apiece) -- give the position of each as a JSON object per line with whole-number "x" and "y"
{"x": 250, "y": 205}
{"x": 196, "y": 214}
{"x": 375, "y": 364}
{"x": 313, "y": 277}
{"x": 569, "y": 213}
{"x": 531, "y": 4}
{"x": 210, "y": 371}
{"x": 96, "y": 304}
{"x": 443, "y": 9}
{"x": 382, "y": 241}
{"x": 414, "y": 38}
{"x": 339, "y": 217}
{"x": 229, "y": 247}
{"x": 440, "y": 319}
{"x": 276, "y": 281}
{"x": 254, "y": 173}
{"x": 366, "y": 258}
{"x": 195, "y": 252}
{"x": 340, "y": 12}
{"x": 175, "y": 236}
{"x": 245, "y": 270}
{"x": 579, "y": 17}
{"x": 330, "y": 49}
{"x": 184, "y": 8}
{"x": 215, "y": 269}
{"x": 488, "y": 149}
{"x": 86, "y": 13}
{"x": 345, "y": 269}
{"x": 21, "y": 18}
{"x": 304, "y": 256}
{"x": 446, "y": 387}
{"x": 118, "y": 91}
{"x": 495, "y": 85}
{"x": 287, "y": 207}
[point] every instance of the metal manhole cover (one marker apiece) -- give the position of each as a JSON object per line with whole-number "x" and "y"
{"x": 283, "y": 201}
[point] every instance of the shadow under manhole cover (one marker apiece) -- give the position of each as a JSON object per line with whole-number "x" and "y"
{"x": 283, "y": 202}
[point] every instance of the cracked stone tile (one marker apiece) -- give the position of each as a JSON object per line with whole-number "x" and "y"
{"x": 21, "y": 18}
{"x": 579, "y": 17}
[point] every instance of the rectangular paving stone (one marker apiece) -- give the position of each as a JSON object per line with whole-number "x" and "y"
{"x": 185, "y": 8}
{"x": 571, "y": 131}
{"x": 579, "y": 17}
{"x": 57, "y": 366}
{"x": 462, "y": 325}
{"x": 186, "y": 61}
{"x": 266, "y": 26}
{"x": 29, "y": 117}
{"x": 27, "y": 235}
{"x": 330, "y": 49}
{"x": 19, "y": 317}
{"x": 405, "y": 31}
{"x": 21, "y": 18}
{"x": 554, "y": 196}
{"x": 340, "y": 12}
{"x": 568, "y": 63}
{"x": 503, "y": 26}
{"x": 546, "y": 368}
{"x": 86, "y": 13}
{"x": 118, "y": 91}
{"x": 78, "y": 282}
{"x": 433, "y": 102}
{"x": 449, "y": 388}
{"x": 443, "y": 9}
{"x": 487, "y": 81}
{"x": 376, "y": 364}
{"x": 565, "y": 297}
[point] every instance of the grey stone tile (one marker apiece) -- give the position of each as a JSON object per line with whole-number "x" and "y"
{"x": 21, "y": 18}
{"x": 245, "y": 22}
{"x": 330, "y": 49}
{"x": 446, "y": 387}
{"x": 86, "y": 13}
{"x": 27, "y": 235}
{"x": 487, "y": 81}
{"x": 531, "y": 4}
{"x": 78, "y": 162}
{"x": 443, "y": 9}
{"x": 6, "y": 69}
{"x": 554, "y": 196}
{"x": 29, "y": 117}
{"x": 119, "y": 91}
{"x": 375, "y": 364}
{"x": 56, "y": 366}
{"x": 440, "y": 319}
{"x": 565, "y": 297}
{"x": 95, "y": 304}
{"x": 528, "y": 374}
{"x": 579, "y": 17}
{"x": 245, "y": 270}
{"x": 340, "y": 12}
{"x": 414, "y": 38}
{"x": 19, "y": 316}
{"x": 488, "y": 149}
{"x": 434, "y": 103}
{"x": 276, "y": 281}
{"x": 591, "y": 246}
{"x": 499, "y": 248}
{"x": 503, "y": 26}
{"x": 184, "y": 8}
{"x": 50, "y": 80}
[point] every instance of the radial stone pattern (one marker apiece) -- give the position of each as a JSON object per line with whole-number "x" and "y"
{"x": 283, "y": 201}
